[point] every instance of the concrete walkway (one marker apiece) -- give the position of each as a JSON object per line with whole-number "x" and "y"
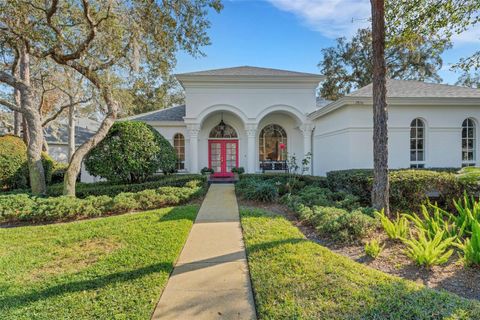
{"x": 210, "y": 279}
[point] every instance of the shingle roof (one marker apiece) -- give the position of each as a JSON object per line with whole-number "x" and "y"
{"x": 418, "y": 89}
{"x": 60, "y": 135}
{"x": 249, "y": 71}
{"x": 169, "y": 114}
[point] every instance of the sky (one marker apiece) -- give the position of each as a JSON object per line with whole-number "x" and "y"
{"x": 290, "y": 34}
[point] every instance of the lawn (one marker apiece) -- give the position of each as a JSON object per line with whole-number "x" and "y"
{"x": 294, "y": 278}
{"x": 113, "y": 267}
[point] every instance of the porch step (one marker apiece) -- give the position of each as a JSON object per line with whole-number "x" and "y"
{"x": 212, "y": 179}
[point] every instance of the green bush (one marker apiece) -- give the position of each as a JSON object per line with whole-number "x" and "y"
{"x": 286, "y": 182}
{"x": 84, "y": 190}
{"x": 58, "y": 172}
{"x": 131, "y": 152}
{"x": 471, "y": 247}
{"x": 263, "y": 191}
{"x": 48, "y": 165}
{"x": 408, "y": 188}
{"x": 22, "y": 207}
{"x": 238, "y": 170}
{"x": 13, "y": 163}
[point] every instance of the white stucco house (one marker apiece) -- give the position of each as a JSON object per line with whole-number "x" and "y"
{"x": 254, "y": 117}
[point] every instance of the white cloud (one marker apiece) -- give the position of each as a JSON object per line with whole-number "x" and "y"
{"x": 342, "y": 18}
{"x": 332, "y": 18}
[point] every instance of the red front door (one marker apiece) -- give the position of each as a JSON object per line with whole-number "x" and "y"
{"x": 223, "y": 156}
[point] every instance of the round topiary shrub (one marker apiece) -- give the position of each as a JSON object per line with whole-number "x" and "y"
{"x": 131, "y": 151}
{"x": 13, "y": 163}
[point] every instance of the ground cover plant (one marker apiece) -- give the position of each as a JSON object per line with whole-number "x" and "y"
{"x": 112, "y": 268}
{"x": 24, "y": 207}
{"x": 311, "y": 282}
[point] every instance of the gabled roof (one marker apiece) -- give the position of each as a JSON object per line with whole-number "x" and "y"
{"x": 249, "y": 71}
{"x": 418, "y": 89}
{"x": 169, "y": 114}
{"x": 407, "y": 92}
{"x": 60, "y": 135}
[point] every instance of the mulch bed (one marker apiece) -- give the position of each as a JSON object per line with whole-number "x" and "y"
{"x": 452, "y": 277}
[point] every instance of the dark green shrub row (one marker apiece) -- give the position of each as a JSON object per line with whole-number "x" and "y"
{"x": 84, "y": 190}
{"x": 314, "y": 196}
{"x": 23, "y": 207}
{"x": 338, "y": 224}
{"x": 408, "y": 188}
{"x": 286, "y": 182}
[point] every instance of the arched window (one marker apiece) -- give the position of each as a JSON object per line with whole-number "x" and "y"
{"x": 179, "y": 145}
{"x": 468, "y": 143}
{"x": 223, "y": 131}
{"x": 417, "y": 144}
{"x": 273, "y": 143}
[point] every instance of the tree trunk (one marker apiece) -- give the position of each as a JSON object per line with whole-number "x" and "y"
{"x": 33, "y": 121}
{"x": 71, "y": 131}
{"x": 380, "y": 190}
{"x": 75, "y": 164}
{"x": 17, "y": 116}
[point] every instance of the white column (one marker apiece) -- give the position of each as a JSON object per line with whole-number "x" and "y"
{"x": 193, "y": 130}
{"x": 251, "y": 130}
{"x": 307, "y": 143}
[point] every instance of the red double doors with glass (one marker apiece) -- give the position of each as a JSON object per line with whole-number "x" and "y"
{"x": 223, "y": 156}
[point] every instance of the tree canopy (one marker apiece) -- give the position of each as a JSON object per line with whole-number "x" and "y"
{"x": 349, "y": 66}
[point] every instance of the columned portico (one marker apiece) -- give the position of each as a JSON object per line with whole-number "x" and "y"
{"x": 251, "y": 131}
{"x": 307, "y": 130}
{"x": 193, "y": 130}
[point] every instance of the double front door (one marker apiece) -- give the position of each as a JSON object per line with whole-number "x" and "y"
{"x": 223, "y": 156}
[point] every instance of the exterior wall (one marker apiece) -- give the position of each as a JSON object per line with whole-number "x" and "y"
{"x": 343, "y": 138}
{"x": 169, "y": 131}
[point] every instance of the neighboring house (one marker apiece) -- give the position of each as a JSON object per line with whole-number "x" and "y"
{"x": 253, "y": 117}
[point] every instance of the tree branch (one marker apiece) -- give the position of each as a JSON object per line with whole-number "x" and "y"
{"x": 10, "y": 105}
{"x": 13, "y": 81}
{"x": 59, "y": 111}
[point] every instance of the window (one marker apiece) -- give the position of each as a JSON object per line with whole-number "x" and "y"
{"x": 273, "y": 143}
{"x": 179, "y": 145}
{"x": 417, "y": 144}
{"x": 468, "y": 143}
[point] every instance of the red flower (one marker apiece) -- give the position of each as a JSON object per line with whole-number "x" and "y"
{"x": 282, "y": 146}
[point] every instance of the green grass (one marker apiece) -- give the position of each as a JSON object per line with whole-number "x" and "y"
{"x": 294, "y": 278}
{"x": 109, "y": 268}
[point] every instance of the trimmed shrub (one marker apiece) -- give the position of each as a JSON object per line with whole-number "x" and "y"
{"x": 58, "y": 172}
{"x": 131, "y": 152}
{"x": 263, "y": 191}
{"x": 408, "y": 188}
{"x": 84, "y": 190}
{"x": 13, "y": 163}
{"x": 48, "y": 165}
{"x": 18, "y": 207}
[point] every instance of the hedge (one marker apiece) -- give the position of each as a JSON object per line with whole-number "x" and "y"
{"x": 84, "y": 190}
{"x": 408, "y": 188}
{"x": 24, "y": 207}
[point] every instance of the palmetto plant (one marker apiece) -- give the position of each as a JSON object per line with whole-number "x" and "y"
{"x": 396, "y": 229}
{"x": 428, "y": 252}
{"x": 436, "y": 221}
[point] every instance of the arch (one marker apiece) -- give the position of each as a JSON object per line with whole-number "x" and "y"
{"x": 469, "y": 142}
{"x": 417, "y": 143}
{"x": 221, "y": 107}
{"x": 272, "y": 143}
{"x": 223, "y": 131}
{"x": 292, "y": 111}
{"x": 179, "y": 145}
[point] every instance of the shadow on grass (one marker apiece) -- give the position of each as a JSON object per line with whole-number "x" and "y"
{"x": 20, "y": 300}
{"x": 186, "y": 212}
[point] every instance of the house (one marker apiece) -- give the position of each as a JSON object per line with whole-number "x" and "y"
{"x": 256, "y": 117}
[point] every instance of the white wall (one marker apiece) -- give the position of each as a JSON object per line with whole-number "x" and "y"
{"x": 169, "y": 130}
{"x": 343, "y": 138}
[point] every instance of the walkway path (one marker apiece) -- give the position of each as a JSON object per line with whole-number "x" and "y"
{"x": 210, "y": 279}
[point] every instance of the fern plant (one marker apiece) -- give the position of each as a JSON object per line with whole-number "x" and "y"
{"x": 468, "y": 212}
{"x": 396, "y": 229}
{"x": 373, "y": 248}
{"x": 471, "y": 247}
{"x": 434, "y": 222}
{"x": 429, "y": 252}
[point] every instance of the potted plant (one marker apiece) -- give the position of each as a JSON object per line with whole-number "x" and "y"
{"x": 238, "y": 171}
{"x": 207, "y": 171}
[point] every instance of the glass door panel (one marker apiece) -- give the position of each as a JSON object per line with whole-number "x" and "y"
{"x": 231, "y": 155}
{"x": 216, "y": 156}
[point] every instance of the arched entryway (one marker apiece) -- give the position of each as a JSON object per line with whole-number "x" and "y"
{"x": 223, "y": 149}
{"x": 272, "y": 144}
